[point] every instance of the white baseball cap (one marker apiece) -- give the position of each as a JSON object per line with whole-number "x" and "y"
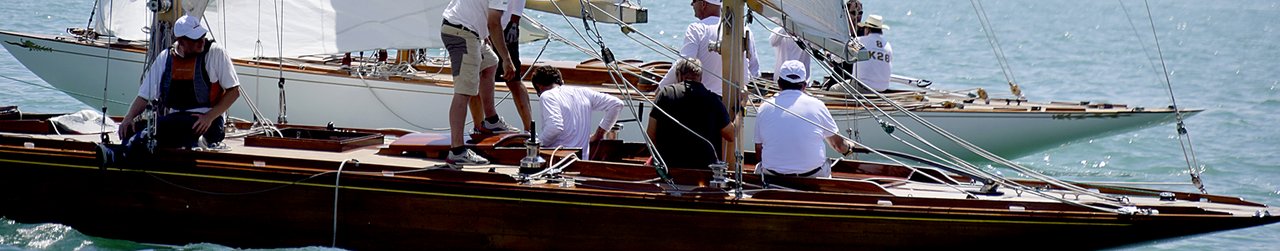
{"x": 793, "y": 71}
{"x": 715, "y": 2}
{"x": 189, "y": 26}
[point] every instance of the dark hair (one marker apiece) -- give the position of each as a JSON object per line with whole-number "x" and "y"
{"x": 546, "y": 75}
{"x": 788, "y": 85}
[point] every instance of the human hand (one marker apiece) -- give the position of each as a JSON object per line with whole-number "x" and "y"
{"x": 203, "y": 123}
{"x": 509, "y": 70}
{"x": 125, "y": 128}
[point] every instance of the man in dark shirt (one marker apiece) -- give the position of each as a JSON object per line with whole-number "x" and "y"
{"x": 691, "y": 104}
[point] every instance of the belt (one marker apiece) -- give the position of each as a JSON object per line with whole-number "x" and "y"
{"x": 804, "y": 174}
{"x": 461, "y": 27}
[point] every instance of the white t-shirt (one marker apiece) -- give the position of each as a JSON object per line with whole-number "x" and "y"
{"x": 791, "y": 144}
{"x": 787, "y": 49}
{"x": 697, "y": 38}
{"x": 509, "y": 8}
{"x": 877, "y": 70}
{"x": 217, "y": 66}
{"x": 473, "y": 14}
{"x": 566, "y": 115}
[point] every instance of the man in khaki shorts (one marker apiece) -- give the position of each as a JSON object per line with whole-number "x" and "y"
{"x": 463, "y": 32}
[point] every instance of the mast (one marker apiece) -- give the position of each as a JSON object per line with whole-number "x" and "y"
{"x": 732, "y": 49}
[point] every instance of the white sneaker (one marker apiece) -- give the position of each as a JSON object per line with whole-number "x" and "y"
{"x": 466, "y": 158}
{"x": 501, "y": 126}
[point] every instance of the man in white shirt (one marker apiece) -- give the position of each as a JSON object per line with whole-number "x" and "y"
{"x": 791, "y": 127}
{"x": 566, "y": 111}
{"x": 697, "y": 38}
{"x": 465, "y": 32}
{"x": 504, "y": 31}
{"x": 784, "y": 44}
{"x": 191, "y": 84}
{"x": 877, "y": 69}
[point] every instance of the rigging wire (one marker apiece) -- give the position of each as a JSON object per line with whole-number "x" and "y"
{"x": 106, "y": 82}
{"x": 1184, "y": 137}
{"x": 990, "y": 32}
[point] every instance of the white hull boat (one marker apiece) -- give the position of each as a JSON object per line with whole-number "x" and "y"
{"x": 319, "y": 93}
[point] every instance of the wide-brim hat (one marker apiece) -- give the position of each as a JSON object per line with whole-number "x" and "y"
{"x": 874, "y": 21}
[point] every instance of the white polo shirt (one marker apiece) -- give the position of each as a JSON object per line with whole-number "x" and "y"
{"x": 473, "y": 14}
{"x": 509, "y": 8}
{"x": 217, "y": 66}
{"x": 566, "y": 115}
{"x": 787, "y": 49}
{"x": 876, "y": 71}
{"x": 697, "y": 38}
{"x": 791, "y": 144}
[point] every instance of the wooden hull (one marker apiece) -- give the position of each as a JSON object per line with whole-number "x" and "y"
{"x": 188, "y": 197}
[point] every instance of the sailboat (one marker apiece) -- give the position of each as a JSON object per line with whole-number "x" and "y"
{"x": 349, "y": 187}
{"x": 292, "y": 55}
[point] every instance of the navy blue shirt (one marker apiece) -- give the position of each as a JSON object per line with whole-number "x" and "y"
{"x": 699, "y": 109}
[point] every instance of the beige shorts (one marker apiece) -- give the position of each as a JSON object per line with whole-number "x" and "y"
{"x": 468, "y": 56}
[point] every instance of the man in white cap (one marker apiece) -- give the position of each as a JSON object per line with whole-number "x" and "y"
{"x": 697, "y": 39}
{"x": 791, "y": 128}
{"x": 192, "y": 84}
{"x": 877, "y": 69}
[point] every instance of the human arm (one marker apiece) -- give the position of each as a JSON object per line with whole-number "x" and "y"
{"x": 845, "y": 147}
{"x": 692, "y": 46}
{"x": 496, "y": 38}
{"x": 126, "y": 126}
{"x": 146, "y": 91}
{"x": 224, "y": 102}
{"x": 610, "y": 105}
{"x": 753, "y": 61}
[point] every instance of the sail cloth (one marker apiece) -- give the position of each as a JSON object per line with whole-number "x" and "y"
{"x": 124, "y": 19}
{"x": 250, "y": 28}
{"x": 824, "y": 23}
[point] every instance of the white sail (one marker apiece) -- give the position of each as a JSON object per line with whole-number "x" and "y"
{"x": 124, "y": 19}
{"x": 824, "y": 23}
{"x": 249, "y": 28}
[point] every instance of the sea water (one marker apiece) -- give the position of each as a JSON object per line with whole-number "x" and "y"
{"x": 1220, "y": 55}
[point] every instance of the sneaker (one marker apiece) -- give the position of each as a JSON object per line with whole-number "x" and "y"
{"x": 501, "y": 126}
{"x": 466, "y": 158}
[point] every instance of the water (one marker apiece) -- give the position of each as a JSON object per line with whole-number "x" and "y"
{"x": 1220, "y": 56}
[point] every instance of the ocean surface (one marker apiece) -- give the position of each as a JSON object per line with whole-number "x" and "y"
{"x": 1221, "y": 56}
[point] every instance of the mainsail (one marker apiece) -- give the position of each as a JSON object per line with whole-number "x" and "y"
{"x": 252, "y": 28}
{"x": 249, "y": 28}
{"x": 813, "y": 20}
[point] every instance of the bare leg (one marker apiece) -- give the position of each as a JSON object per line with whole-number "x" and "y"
{"x": 477, "y": 113}
{"x": 521, "y": 96}
{"x": 457, "y": 113}
{"x": 486, "y": 91}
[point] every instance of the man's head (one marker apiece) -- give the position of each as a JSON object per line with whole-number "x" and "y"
{"x": 688, "y": 69}
{"x": 873, "y": 24}
{"x": 705, "y": 8}
{"x": 855, "y": 12}
{"x": 190, "y": 35}
{"x": 545, "y": 78}
{"x": 792, "y": 75}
